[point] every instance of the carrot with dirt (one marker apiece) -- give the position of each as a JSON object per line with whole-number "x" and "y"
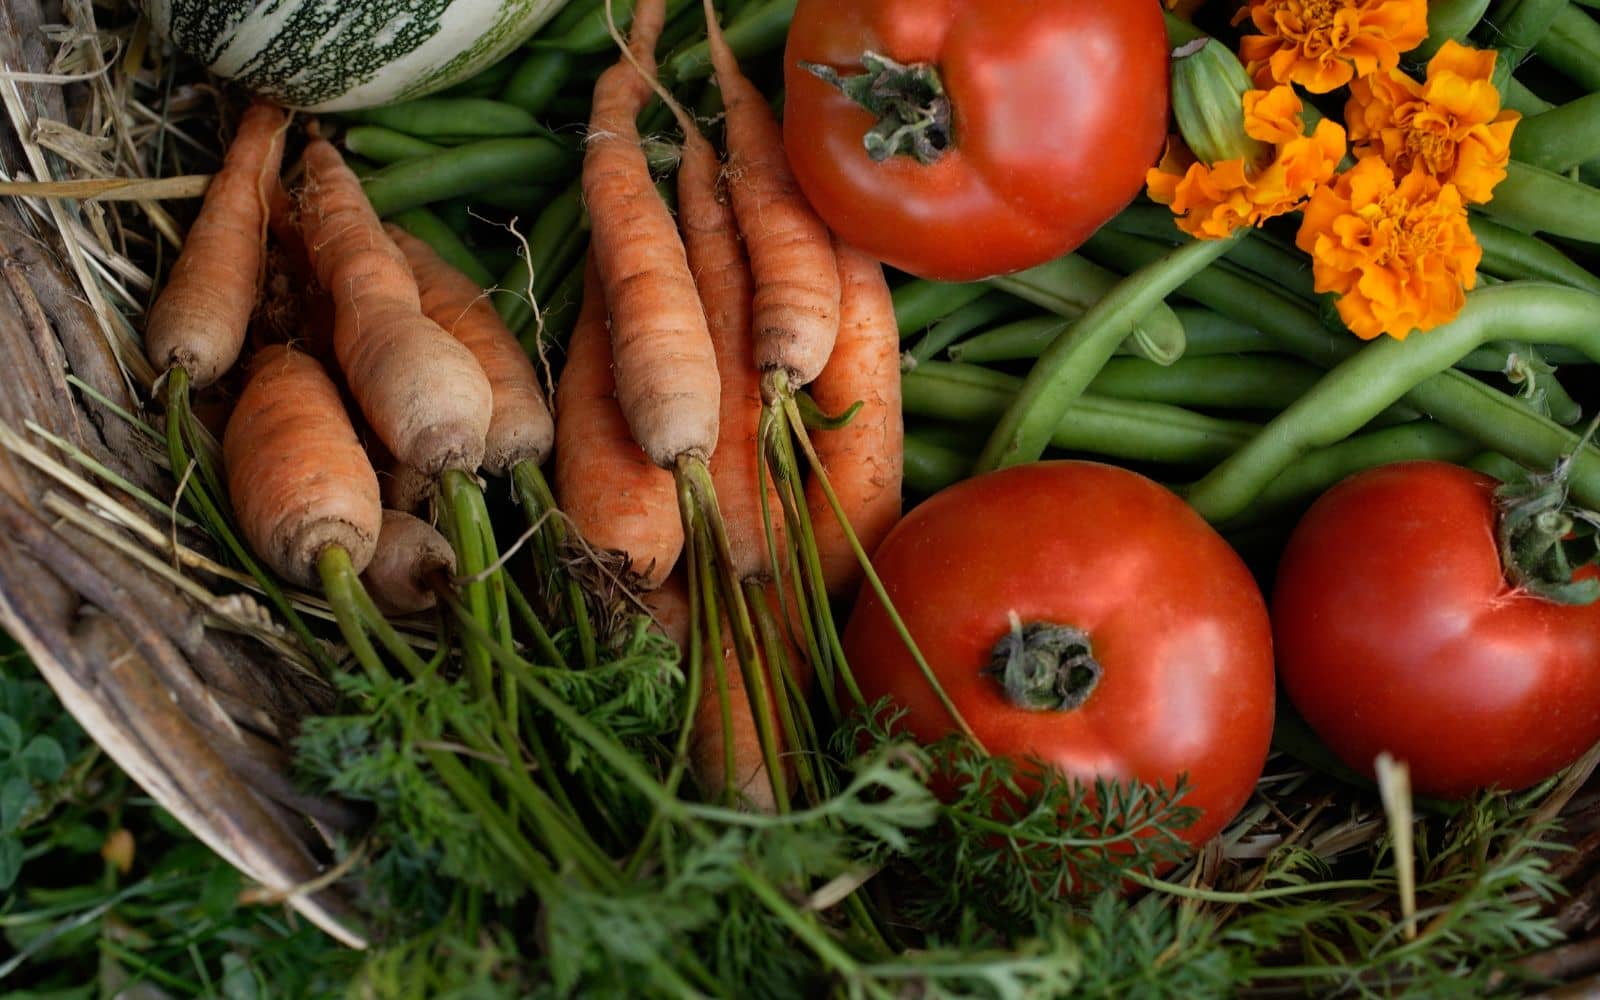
{"x": 421, "y": 390}
{"x": 796, "y": 304}
{"x": 299, "y": 479}
{"x": 864, "y": 458}
{"x": 198, "y": 322}
{"x": 410, "y": 557}
{"x": 520, "y": 426}
{"x": 666, "y": 373}
{"x": 614, "y": 495}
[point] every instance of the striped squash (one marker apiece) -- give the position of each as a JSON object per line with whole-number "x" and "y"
{"x": 336, "y": 55}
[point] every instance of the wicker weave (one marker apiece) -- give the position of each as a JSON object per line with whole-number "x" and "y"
{"x": 172, "y": 681}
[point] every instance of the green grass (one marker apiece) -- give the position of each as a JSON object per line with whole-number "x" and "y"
{"x": 75, "y": 923}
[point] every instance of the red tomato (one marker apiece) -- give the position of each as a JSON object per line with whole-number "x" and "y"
{"x": 1056, "y": 109}
{"x": 1173, "y": 617}
{"x": 1397, "y": 630}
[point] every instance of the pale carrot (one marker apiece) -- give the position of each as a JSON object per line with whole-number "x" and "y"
{"x": 297, "y": 475}
{"x": 411, "y": 555}
{"x": 199, "y": 321}
{"x": 520, "y": 428}
{"x": 864, "y": 459}
{"x": 420, "y": 389}
{"x": 615, "y": 496}
{"x": 666, "y": 374}
{"x": 796, "y": 305}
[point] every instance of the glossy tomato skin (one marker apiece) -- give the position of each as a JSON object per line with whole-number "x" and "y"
{"x": 1396, "y": 630}
{"x": 1174, "y": 618}
{"x": 1058, "y": 108}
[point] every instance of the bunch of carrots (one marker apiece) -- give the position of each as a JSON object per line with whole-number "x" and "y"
{"x": 725, "y": 429}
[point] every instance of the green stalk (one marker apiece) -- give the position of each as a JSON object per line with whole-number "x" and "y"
{"x": 1071, "y": 362}
{"x": 533, "y": 493}
{"x": 341, "y": 584}
{"x": 461, "y": 522}
{"x": 820, "y": 475}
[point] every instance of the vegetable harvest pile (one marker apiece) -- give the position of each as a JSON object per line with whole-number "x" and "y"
{"x": 902, "y": 499}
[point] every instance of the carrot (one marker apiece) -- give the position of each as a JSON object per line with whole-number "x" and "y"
{"x": 420, "y": 389}
{"x": 666, "y": 374}
{"x": 299, "y": 479}
{"x": 796, "y": 305}
{"x": 405, "y": 487}
{"x": 864, "y": 458}
{"x": 615, "y": 496}
{"x": 410, "y": 554}
{"x": 520, "y": 426}
{"x": 722, "y": 277}
{"x": 199, "y": 320}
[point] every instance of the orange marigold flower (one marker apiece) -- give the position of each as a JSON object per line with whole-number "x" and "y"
{"x": 1400, "y": 256}
{"x": 1322, "y": 44}
{"x": 1212, "y": 201}
{"x": 1451, "y": 125}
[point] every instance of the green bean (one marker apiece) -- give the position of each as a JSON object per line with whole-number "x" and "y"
{"x": 1261, "y": 382}
{"x": 919, "y": 303}
{"x": 1492, "y": 463}
{"x": 1519, "y": 25}
{"x": 1509, "y": 253}
{"x": 1022, "y": 338}
{"x": 1447, "y": 19}
{"x": 1206, "y": 331}
{"x": 930, "y": 466}
{"x": 582, "y": 29}
{"x": 468, "y": 169}
{"x": 758, "y": 28}
{"x": 1571, "y": 46}
{"x": 484, "y": 83}
{"x": 559, "y": 315}
{"x": 980, "y": 311}
{"x": 538, "y": 78}
{"x": 1071, "y": 284}
{"x": 457, "y": 118}
{"x": 1532, "y": 370}
{"x": 431, "y": 229}
{"x": 1313, "y": 473}
{"x": 556, "y": 234}
{"x": 1536, "y": 200}
{"x": 1515, "y": 95}
{"x": 1064, "y": 369}
{"x": 1456, "y": 399}
{"x": 1561, "y": 138}
{"x": 1492, "y": 357}
{"x": 385, "y": 145}
{"x": 1118, "y": 428}
{"x": 1386, "y": 370}
{"x": 1258, "y": 252}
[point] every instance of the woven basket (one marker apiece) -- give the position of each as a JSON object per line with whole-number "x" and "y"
{"x": 175, "y": 671}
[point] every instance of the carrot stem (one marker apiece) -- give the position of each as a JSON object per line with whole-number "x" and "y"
{"x": 821, "y": 478}
{"x": 533, "y": 492}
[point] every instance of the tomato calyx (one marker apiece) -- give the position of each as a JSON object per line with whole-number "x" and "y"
{"x": 1535, "y": 531}
{"x": 1045, "y": 666}
{"x": 908, "y": 100}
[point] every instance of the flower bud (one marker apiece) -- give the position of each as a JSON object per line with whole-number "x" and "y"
{"x": 1208, "y": 87}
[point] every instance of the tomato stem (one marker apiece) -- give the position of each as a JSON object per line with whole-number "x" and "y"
{"x": 909, "y": 102}
{"x": 1044, "y": 666}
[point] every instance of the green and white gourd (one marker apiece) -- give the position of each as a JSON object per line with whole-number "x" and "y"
{"x": 339, "y": 55}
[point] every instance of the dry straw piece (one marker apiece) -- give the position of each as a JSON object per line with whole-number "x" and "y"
{"x": 182, "y": 678}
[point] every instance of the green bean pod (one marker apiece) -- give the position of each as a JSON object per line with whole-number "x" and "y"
{"x": 468, "y": 169}
{"x": 1071, "y": 284}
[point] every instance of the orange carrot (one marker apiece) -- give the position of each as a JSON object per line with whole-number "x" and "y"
{"x": 200, "y": 318}
{"x": 864, "y": 458}
{"x": 722, "y": 275}
{"x": 666, "y": 373}
{"x": 299, "y": 479}
{"x": 616, "y": 497}
{"x": 410, "y": 553}
{"x": 420, "y": 389}
{"x": 520, "y": 427}
{"x": 796, "y": 306}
